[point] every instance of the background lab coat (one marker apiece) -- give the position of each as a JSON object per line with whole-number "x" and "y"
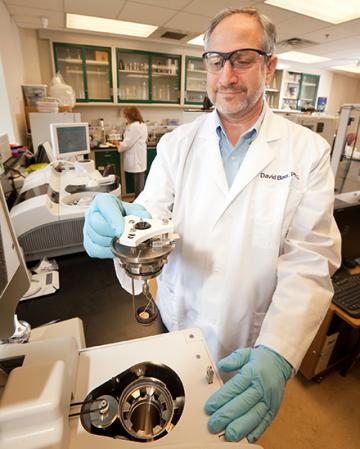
{"x": 134, "y": 147}
{"x": 253, "y": 261}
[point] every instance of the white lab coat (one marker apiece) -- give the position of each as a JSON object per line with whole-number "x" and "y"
{"x": 253, "y": 261}
{"x": 134, "y": 147}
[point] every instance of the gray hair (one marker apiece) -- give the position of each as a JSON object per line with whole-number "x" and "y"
{"x": 267, "y": 26}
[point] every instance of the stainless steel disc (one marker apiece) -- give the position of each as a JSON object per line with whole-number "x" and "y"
{"x": 144, "y": 261}
{"x": 105, "y": 411}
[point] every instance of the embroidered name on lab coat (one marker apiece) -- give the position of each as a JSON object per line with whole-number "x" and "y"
{"x": 279, "y": 177}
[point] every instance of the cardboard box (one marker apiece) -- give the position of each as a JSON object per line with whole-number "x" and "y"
{"x": 101, "y": 56}
{"x": 326, "y": 351}
{"x": 33, "y": 92}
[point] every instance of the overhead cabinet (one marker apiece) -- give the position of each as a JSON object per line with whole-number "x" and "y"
{"x": 155, "y": 78}
{"x": 145, "y": 77}
{"x": 87, "y": 69}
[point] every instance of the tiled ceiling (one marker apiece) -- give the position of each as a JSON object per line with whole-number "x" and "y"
{"x": 340, "y": 42}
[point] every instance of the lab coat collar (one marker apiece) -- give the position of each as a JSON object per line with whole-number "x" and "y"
{"x": 259, "y": 155}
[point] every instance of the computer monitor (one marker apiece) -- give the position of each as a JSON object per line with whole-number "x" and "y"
{"x": 14, "y": 278}
{"x": 69, "y": 140}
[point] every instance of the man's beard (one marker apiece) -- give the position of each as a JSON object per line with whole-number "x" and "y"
{"x": 240, "y": 106}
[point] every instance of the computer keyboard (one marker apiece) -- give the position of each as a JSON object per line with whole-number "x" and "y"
{"x": 347, "y": 294}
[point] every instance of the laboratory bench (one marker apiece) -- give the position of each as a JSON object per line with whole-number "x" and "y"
{"x": 89, "y": 289}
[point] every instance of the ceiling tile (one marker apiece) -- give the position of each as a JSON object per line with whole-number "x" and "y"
{"x": 188, "y": 22}
{"x": 152, "y": 15}
{"x": 53, "y": 5}
{"x": 277, "y": 15}
{"x": 335, "y": 32}
{"x": 210, "y": 8}
{"x": 175, "y": 4}
{"x": 56, "y": 19}
{"x": 105, "y": 8}
{"x": 297, "y": 27}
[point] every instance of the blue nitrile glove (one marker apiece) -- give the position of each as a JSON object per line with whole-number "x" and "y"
{"x": 246, "y": 404}
{"x": 104, "y": 221}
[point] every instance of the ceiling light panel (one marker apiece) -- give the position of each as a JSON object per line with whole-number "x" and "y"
{"x": 352, "y": 68}
{"x": 333, "y": 11}
{"x": 198, "y": 40}
{"x": 90, "y": 23}
{"x": 298, "y": 56}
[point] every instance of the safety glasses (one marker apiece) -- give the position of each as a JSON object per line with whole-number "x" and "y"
{"x": 240, "y": 60}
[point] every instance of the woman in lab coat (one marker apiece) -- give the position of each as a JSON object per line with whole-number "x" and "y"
{"x": 134, "y": 147}
{"x": 252, "y": 266}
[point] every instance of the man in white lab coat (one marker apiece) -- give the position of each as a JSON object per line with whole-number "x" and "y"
{"x": 251, "y": 195}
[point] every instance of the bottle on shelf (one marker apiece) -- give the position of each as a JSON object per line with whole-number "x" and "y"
{"x": 102, "y": 128}
{"x": 144, "y": 91}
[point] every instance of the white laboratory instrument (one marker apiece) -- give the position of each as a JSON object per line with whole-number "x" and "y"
{"x": 40, "y": 124}
{"x": 148, "y": 391}
{"x": 48, "y": 215}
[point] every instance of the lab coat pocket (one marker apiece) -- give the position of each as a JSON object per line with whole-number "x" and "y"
{"x": 294, "y": 199}
{"x": 273, "y": 210}
{"x": 266, "y": 214}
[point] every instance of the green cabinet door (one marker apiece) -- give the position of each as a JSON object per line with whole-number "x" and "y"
{"x": 87, "y": 69}
{"x": 308, "y": 90}
{"x": 195, "y": 80}
{"x": 147, "y": 77}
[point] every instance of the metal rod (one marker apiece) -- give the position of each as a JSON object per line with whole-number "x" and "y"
{"x": 133, "y": 296}
{"x": 75, "y": 404}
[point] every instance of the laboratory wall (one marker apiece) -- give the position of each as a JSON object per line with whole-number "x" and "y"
{"x": 31, "y": 57}
{"x": 343, "y": 90}
{"x": 12, "y": 118}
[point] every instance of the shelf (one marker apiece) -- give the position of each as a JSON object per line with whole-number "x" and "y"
{"x": 195, "y": 79}
{"x": 196, "y": 71}
{"x": 309, "y": 84}
{"x": 79, "y": 61}
{"x": 92, "y": 62}
{"x": 271, "y": 89}
{"x": 159, "y": 75}
{"x": 89, "y": 72}
{"x": 196, "y": 90}
{"x": 70, "y": 60}
{"x": 74, "y": 72}
{"x": 131, "y": 72}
